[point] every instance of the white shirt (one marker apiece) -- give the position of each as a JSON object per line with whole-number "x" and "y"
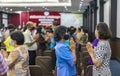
{"x": 28, "y": 38}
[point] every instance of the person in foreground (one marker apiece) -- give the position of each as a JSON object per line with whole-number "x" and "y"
{"x": 3, "y": 66}
{"x": 18, "y": 59}
{"x": 101, "y": 54}
{"x": 66, "y": 57}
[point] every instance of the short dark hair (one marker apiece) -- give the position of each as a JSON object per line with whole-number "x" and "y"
{"x": 11, "y": 27}
{"x": 18, "y": 37}
{"x": 39, "y": 29}
{"x": 56, "y": 23}
{"x": 59, "y": 32}
{"x": 50, "y": 30}
{"x": 104, "y": 31}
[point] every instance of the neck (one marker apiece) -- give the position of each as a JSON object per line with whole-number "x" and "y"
{"x": 101, "y": 40}
{"x": 29, "y": 30}
{"x": 62, "y": 40}
{"x": 17, "y": 46}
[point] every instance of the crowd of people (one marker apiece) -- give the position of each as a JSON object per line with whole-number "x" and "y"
{"x": 22, "y": 45}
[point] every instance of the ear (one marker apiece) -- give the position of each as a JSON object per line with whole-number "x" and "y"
{"x": 15, "y": 42}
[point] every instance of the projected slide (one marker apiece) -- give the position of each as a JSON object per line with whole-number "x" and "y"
{"x": 68, "y": 19}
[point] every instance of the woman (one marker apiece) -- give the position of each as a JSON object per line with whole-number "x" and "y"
{"x": 102, "y": 53}
{"x": 18, "y": 59}
{"x": 65, "y": 57}
{"x": 40, "y": 41}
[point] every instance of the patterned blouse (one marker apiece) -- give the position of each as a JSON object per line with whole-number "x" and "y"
{"x": 19, "y": 56}
{"x": 102, "y": 54}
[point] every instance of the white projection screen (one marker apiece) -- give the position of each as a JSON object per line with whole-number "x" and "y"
{"x": 71, "y": 19}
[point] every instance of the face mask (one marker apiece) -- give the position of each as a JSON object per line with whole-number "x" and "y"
{"x": 42, "y": 30}
{"x": 66, "y": 37}
{"x": 11, "y": 43}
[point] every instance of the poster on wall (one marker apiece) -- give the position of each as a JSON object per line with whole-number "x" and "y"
{"x": 71, "y": 19}
{"x": 44, "y": 18}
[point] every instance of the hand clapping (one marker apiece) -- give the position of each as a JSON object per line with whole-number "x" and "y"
{"x": 89, "y": 48}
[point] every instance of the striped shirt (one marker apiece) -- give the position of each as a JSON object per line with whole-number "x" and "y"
{"x": 3, "y": 65}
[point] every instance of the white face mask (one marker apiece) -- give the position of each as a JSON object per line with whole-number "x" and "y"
{"x": 11, "y": 43}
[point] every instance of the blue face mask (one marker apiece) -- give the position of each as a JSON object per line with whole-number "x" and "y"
{"x": 43, "y": 30}
{"x": 11, "y": 43}
{"x": 66, "y": 37}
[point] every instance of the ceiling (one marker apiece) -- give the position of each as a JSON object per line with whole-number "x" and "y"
{"x": 63, "y": 5}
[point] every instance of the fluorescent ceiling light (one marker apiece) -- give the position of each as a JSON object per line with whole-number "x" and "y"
{"x": 34, "y": 4}
{"x": 19, "y": 12}
{"x": 52, "y": 1}
{"x": 21, "y": 3}
{"x": 14, "y": 1}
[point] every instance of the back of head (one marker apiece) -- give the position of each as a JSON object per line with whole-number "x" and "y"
{"x": 55, "y": 23}
{"x": 59, "y": 33}
{"x": 18, "y": 37}
{"x": 39, "y": 29}
{"x": 104, "y": 31}
{"x": 11, "y": 27}
{"x": 29, "y": 23}
{"x": 50, "y": 30}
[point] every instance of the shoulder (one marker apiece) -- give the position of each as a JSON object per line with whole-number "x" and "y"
{"x": 102, "y": 46}
{"x": 27, "y": 32}
{"x": 61, "y": 47}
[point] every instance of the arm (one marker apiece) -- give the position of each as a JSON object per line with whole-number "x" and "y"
{"x": 67, "y": 55}
{"x": 73, "y": 48}
{"x": 35, "y": 38}
{"x": 28, "y": 41}
{"x": 47, "y": 38}
{"x": 11, "y": 60}
{"x": 3, "y": 66}
{"x": 41, "y": 39}
{"x": 96, "y": 61}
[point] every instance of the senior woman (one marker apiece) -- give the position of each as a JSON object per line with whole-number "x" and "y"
{"x": 101, "y": 54}
{"x": 18, "y": 59}
{"x": 65, "y": 55}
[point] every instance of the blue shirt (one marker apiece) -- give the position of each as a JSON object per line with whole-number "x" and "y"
{"x": 51, "y": 44}
{"x": 67, "y": 42}
{"x": 65, "y": 60}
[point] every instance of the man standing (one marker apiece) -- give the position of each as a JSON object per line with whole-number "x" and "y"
{"x": 30, "y": 42}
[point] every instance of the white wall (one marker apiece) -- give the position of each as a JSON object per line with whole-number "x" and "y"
{"x": 118, "y": 18}
{"x": 107, "y": 12}
{"x": 5, "y": 19}
{"x": 98, "y": 10}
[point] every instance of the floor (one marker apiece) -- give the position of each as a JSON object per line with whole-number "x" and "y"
{"x": 115, "y": 67}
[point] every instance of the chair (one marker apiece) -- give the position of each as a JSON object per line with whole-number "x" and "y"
{"x": 35, "y": 70}
{"x": 45, "y": 62}
{"x": 47, "y": 52}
